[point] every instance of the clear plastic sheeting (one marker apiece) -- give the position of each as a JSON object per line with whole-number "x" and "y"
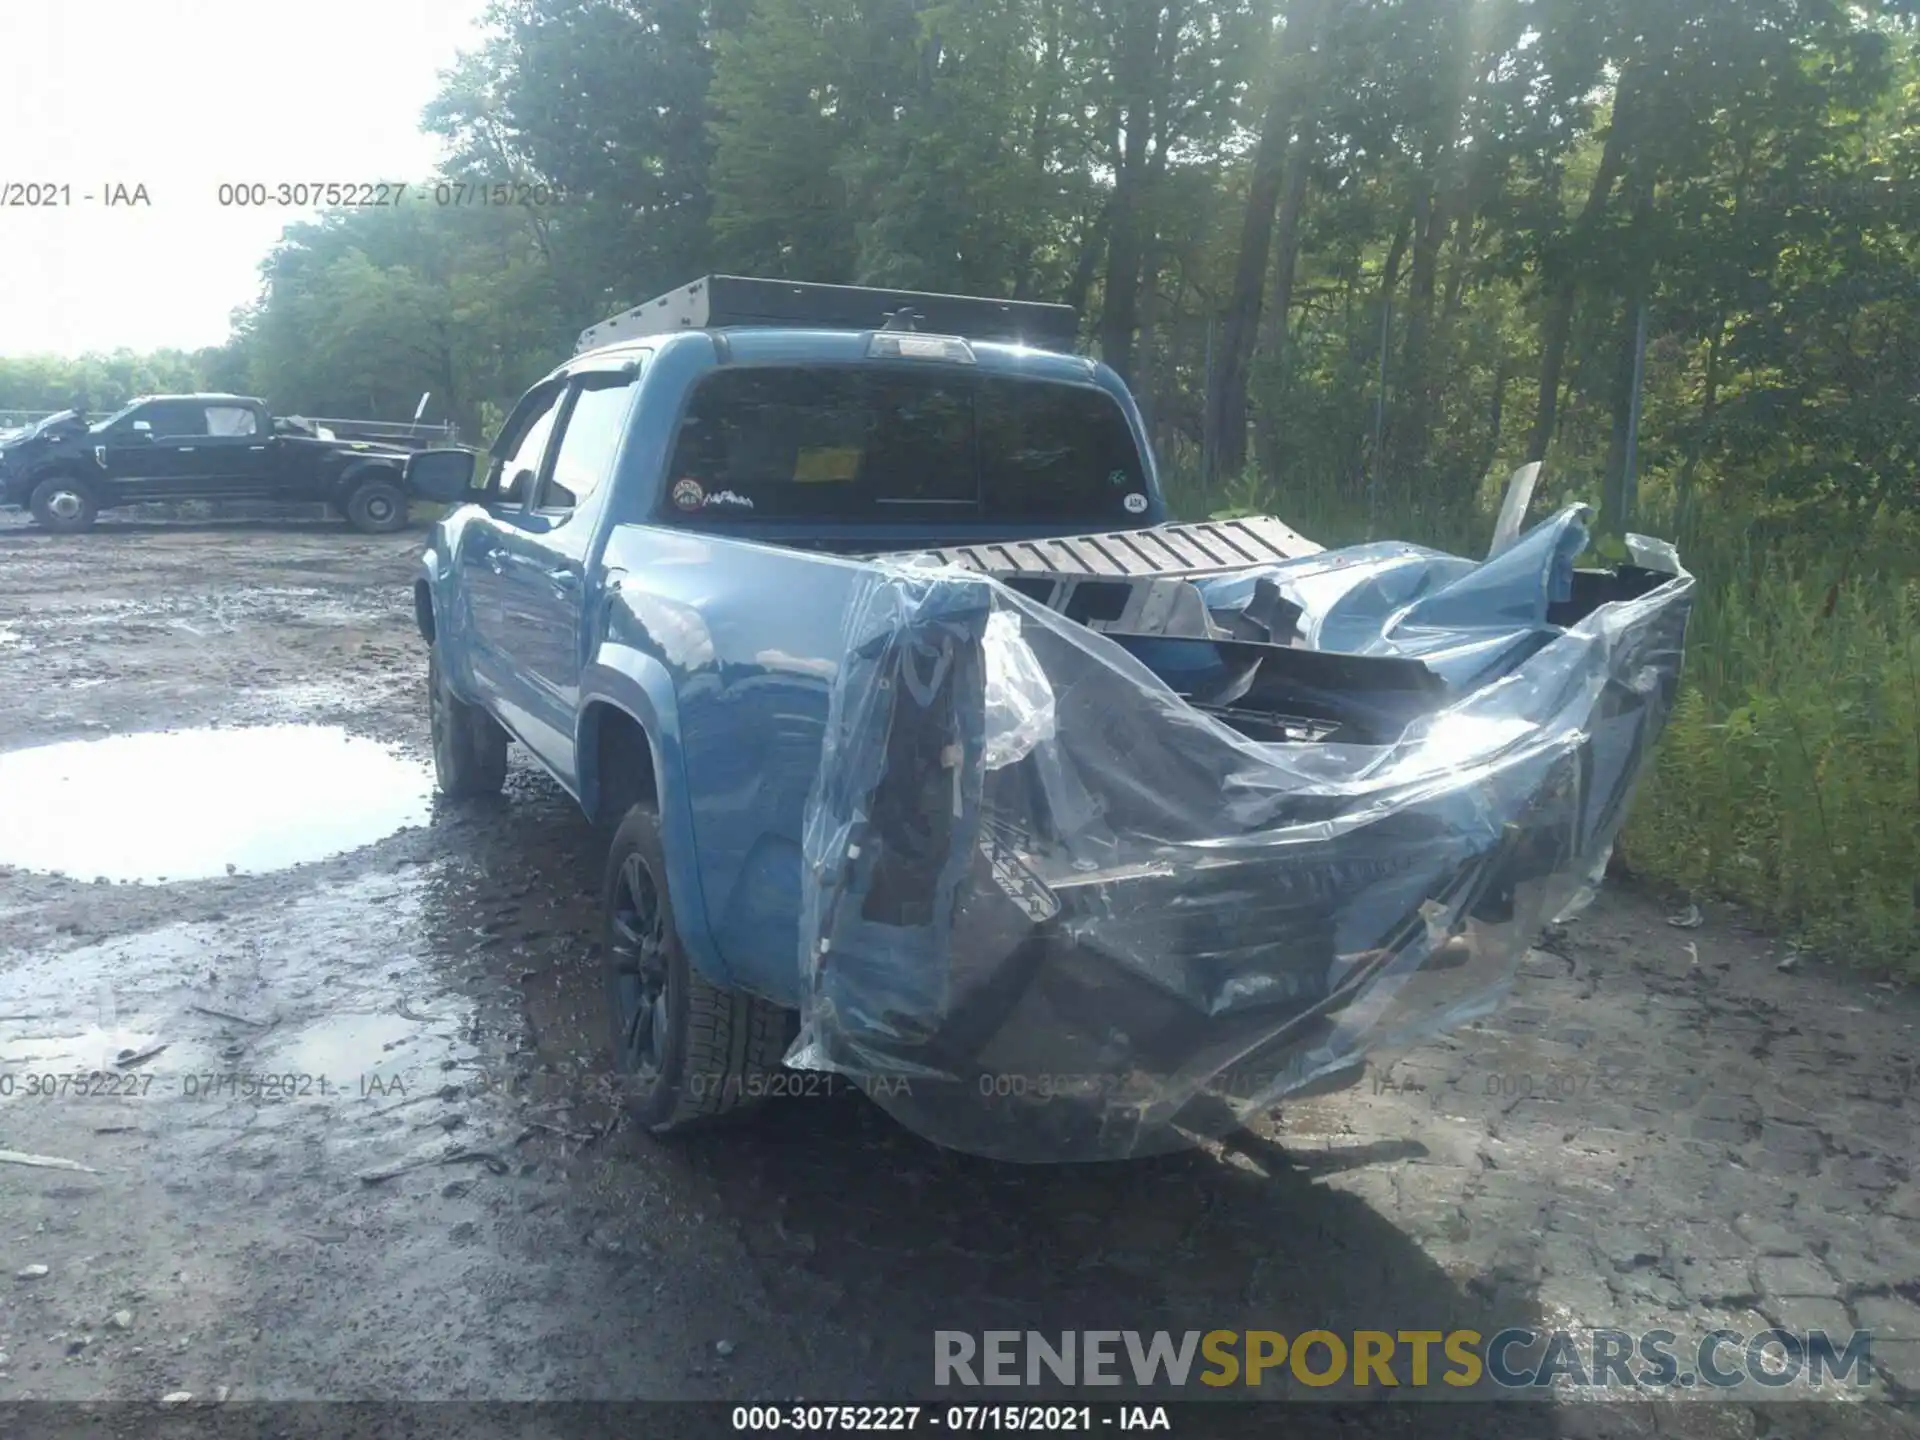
{"x": 1019, "y": 696}
{"x": 1074, "y": 895}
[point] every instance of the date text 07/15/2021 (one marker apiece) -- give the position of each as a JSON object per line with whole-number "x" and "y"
{"x": 855, "y": 1419}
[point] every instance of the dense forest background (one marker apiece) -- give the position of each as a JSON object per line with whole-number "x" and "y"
{"x": 1358, "y": 258}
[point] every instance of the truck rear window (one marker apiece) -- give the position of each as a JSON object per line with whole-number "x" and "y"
{"x": 894, "y": 444}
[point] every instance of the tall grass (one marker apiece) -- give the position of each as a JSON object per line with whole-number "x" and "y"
{"x": 1789, "y": 777}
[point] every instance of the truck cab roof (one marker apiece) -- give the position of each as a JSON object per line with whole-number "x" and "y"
{"x": 205, "y": 396}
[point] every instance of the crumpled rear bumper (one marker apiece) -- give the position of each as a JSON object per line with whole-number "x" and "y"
{"x": 1054, "y": 911}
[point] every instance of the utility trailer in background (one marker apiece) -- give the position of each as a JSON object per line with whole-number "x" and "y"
{"x": 402, "y": 434}
{"x": 720, "y": 301}
{"x": 406, "y": 434}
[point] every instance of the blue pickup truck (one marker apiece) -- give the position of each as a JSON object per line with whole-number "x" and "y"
{"x": 935, "y": 755}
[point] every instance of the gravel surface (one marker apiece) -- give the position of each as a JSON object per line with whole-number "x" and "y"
{"x": 360, "y": 1144}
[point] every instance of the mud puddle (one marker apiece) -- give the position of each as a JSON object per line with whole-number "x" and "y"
{"x": 193, "y": 804}
{"x": 337, "y": 1007}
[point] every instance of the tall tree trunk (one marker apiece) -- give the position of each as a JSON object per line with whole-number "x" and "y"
{"x": 1563, "y": 271}
{"x": 1464, "y": 232}
{"x": 1093, "y": 248}
{"x": 1617, "y": 499}
{"x": 1134, "y": 53}
{"x": 1120, "y": 297}
{"x": 1227, "y": 399}
{"x": 1240, "y": 327}
{"x": 1429, "y": 230}
{"x": 1436, "y": 201}
{"x": 1040, "y": 139}
{"x": 1496, "y": 414}
{"x": 1710, "y": 388}
{"x": 1287, "y": 227}
{"x": 1378, "y": 352}
{"x": 1396, "y": 257}
{"x": 1147, "y": 365}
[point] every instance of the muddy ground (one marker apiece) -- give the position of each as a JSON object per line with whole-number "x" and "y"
{"x": 1664, "y": 1128}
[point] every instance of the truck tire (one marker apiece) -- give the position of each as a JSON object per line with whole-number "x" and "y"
{"x": 469, "y": 747}
{"x": 377, "y": 506}
{"x": 688, "y": 1051}
{"x": 64, "y": 505}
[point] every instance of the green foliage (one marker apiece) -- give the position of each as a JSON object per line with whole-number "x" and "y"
{"x": 102, "y": 383}
{"x": 364, "y": 311}
{"x": 1790, "y": 777}
{"x": 806, "y": 82}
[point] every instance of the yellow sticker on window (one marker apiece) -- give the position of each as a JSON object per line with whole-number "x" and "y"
{"x": 839, "y": 464}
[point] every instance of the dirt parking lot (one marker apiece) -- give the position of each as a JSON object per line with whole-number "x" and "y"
{"x": 1664, "y": 1128}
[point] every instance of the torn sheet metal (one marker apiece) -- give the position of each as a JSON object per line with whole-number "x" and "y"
{"x": 1077, "y": 894}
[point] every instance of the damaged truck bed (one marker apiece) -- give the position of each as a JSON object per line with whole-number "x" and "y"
{"x": 1099, "y": 875}
{"x": 937, "y": 757}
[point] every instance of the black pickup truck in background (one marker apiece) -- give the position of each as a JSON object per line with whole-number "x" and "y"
{"x": 66, "y": 469}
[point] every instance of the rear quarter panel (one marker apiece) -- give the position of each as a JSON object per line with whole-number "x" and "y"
{"x": 732, "y": 648}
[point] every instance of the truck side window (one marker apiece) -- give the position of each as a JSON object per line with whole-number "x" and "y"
{"x": 230, "y": 420}
{"x": 520, "y": 466}
{"x": 589, "y": 440}
{"x": 174, "y": 419}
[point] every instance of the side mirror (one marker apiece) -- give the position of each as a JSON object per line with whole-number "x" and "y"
{"x": 444, "y": 477}
{"x": 142, "y": 430}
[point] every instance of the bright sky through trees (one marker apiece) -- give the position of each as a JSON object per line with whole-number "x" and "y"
{"x": 179, "y": 96}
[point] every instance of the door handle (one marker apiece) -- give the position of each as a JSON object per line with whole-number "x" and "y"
{"x": 185, "y": 448}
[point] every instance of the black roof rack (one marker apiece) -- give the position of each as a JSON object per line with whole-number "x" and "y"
{"x": 736, "y": 300}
